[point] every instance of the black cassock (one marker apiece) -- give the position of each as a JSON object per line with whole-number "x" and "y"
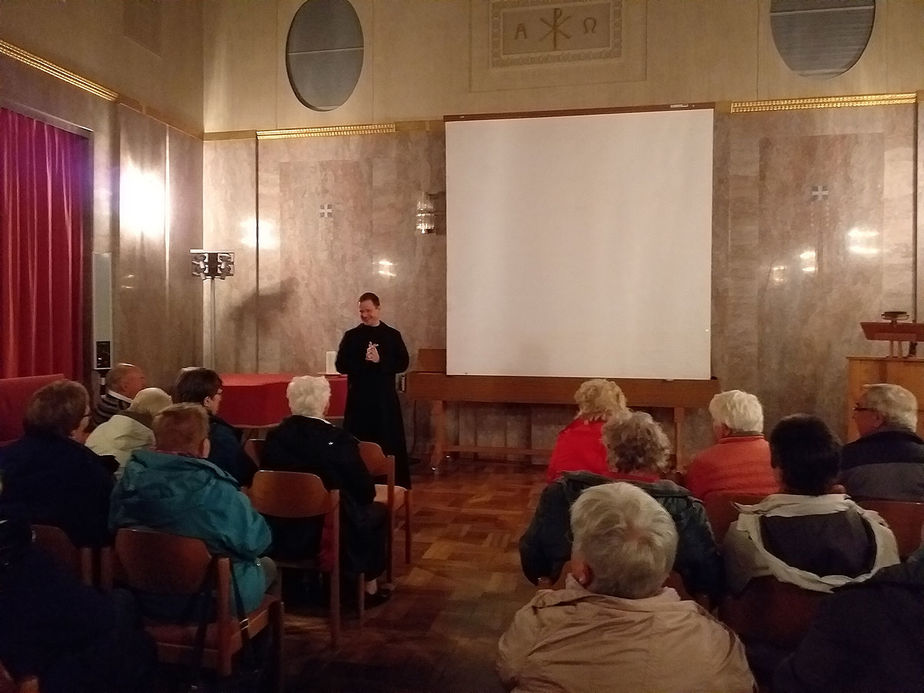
{"x": 373, "y": 412}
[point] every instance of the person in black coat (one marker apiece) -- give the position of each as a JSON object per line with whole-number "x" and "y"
{"x": 203, "y": 386}
{"x": 306, "y": 442}
{"x": 49, "y": 476}
{"x": 867, "y": 637}
{"x": 70, "y": 636}
{"x": 887, "y": 460}
{"x": 371, "y": 355}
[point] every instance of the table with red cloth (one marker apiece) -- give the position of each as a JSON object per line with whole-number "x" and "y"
{"x": 258, "y": 400}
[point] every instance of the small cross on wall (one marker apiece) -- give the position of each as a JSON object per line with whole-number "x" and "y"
{"x": 819, "y": 192}
{"x": 326, "y": 211}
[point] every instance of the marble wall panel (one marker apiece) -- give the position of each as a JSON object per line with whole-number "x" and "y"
{"x": 156, "y": 300}
{"x": 804, "y": 269}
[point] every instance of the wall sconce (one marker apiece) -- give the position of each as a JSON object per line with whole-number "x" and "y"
{"x": 430, "y": 207}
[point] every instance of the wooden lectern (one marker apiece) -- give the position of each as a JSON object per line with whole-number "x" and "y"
{"x": 895, "y": 333}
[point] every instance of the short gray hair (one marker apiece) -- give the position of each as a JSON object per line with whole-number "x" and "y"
{"x": 599, "y": 399}
{"x": 897, "y": 406}
{"x": 308, "y": 395}
{"x": 627, "y": 538}
{"x": 738, "y": 410}
{"x": 150, "y": 401}
{"x": 635, "y": 441}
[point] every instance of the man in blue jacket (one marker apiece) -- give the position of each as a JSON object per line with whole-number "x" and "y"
{"x": 174, "y": 489}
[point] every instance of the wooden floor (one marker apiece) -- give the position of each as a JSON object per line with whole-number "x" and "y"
{"x": 439, "y": 630}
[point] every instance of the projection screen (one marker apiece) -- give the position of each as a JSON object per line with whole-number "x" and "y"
{"x": 580, "y": 245}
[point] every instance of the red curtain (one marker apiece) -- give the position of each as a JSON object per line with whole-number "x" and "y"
{"x": 43, "y": 179}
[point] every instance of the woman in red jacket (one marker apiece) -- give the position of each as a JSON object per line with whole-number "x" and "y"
{"x": 579, "y": 446}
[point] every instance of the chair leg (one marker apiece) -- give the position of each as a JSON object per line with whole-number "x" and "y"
{"x": 390, "y": 547}
{"x": 277, "y": 613}
{"x": 407, "y": 526}
{"x": 335, "y": 609}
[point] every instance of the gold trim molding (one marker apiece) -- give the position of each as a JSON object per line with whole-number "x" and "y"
{"x": 50, "y": 68}
{"x": 823, "y": 102}
{"x": 331, "y": 131}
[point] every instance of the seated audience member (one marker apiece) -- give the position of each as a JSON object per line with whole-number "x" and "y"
{"x": 174, "y": 489}
{"x": 806, "y": 535}
{"x": 887, "y": 461}
{"x": 306, "y": 442}
{"x": 580, "y": 444}
{"x": 739, "y": 462}
{"x": 638, "y": 452}
{"x": 70, "y": 636}
{"x": 129, "y": 430}
{"x": 49, "y": 476}
{"x": 123, "y": 382}
{"x": 203, "y": 386}
{"x": 866, "y": 638}
{"x": 614, "y": 627}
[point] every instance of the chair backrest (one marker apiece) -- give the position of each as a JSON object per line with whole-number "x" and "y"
{"x": 55, "y": 541}
{"x": 291, "y": 494}
{"x": 904, "y": 519}
{"x": 772, "y": 611}
{"x": 254, "y": 449}
{"x": 377, "y": 462}
{"x": 14, "y": 394}
{"x": 722, "y": 512}
{"x": 152, "y": 561}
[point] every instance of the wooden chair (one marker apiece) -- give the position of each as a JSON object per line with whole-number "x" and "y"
{"x": 721, "y": 511}
{"x": 55, "y": 541}
{"x": 904, "y": 519}
{"x": 300, "y": 495}
{"x": 394, "y": 497}
{"x": 254, "y": 448}
{"x": 771, "y": 611}
{"x": 150, "y": 561}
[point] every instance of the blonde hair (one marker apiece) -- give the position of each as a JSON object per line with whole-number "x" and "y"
{"x": 636, "y": 442}
{"x": 599, "y": 399}
{"x": 181, "y": 428}
{"x": 150, "y": 401}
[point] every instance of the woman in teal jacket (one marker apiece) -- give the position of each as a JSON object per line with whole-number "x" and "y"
{"x": 182, "y": 493}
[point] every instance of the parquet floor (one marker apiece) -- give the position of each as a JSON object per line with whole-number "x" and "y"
{"x": 439, "y": 630}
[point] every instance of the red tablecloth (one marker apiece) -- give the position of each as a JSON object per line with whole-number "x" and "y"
{"x": 252, "y": 400}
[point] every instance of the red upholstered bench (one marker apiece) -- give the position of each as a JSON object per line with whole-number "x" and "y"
{"x": 14, "y": 393}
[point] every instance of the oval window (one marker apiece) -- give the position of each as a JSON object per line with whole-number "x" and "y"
{"x": 324, "y": 53}
{"x": 821, "y": 38}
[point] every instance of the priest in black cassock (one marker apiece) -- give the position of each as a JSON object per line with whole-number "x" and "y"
{"x": 371, "y": 355}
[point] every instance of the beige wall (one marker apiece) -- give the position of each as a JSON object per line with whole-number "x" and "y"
{"x": 418, "y": 62}
{"x": 89, "y": 37}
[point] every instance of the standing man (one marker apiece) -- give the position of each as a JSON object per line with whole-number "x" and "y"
{"x": 123, "y": 382}
{"x": 371, "y": 355}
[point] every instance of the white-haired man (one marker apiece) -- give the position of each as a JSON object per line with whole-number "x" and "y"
{"x": 739, "y": 462}
{"x": 614, "y": 627}
{"x": 887, "y": 460}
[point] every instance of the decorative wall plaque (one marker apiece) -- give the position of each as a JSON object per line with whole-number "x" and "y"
{"x": 531, "y": 43}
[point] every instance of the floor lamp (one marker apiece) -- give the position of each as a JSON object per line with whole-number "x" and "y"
{"x": 212, "y": 265}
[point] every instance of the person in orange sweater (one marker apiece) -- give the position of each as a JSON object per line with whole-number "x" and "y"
{"x": 580, "y": 445}
{"x": 739, "y": 462}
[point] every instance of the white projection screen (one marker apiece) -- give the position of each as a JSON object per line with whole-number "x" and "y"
{"x": 580, "y": 245}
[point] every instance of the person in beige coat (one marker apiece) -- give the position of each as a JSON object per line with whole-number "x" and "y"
{"x": 129, "y": 430}
{"x": 614, "y": 627}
